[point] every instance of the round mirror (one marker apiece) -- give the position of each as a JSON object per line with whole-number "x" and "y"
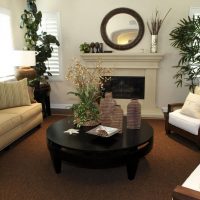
{"x": 122, "y": 28}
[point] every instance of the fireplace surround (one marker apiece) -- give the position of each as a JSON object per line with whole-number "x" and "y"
{"x": 133, "y": 64}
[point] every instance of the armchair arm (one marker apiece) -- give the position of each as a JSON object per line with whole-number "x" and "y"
{"x": 174, "y": 106}
{"x": 183, "y": 193}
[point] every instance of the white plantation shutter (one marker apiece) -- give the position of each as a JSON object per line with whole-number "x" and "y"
{"x": 50, "y": 24}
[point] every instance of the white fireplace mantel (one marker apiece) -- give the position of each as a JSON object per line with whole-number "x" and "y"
{"x": 121, "y": 57}
{"x": 134, "y": 64}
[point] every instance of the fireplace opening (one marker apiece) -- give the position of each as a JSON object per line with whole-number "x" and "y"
{"x": 125, "y": 87}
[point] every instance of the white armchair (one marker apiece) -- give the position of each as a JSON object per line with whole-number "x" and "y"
{"x": 186, "y": 126}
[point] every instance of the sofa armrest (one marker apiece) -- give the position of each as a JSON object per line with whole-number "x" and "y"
{"x": 174, "y": 106}
{"x": 183, "y": 193}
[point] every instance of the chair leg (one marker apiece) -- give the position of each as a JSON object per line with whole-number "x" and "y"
{"x": 168, "y": 132}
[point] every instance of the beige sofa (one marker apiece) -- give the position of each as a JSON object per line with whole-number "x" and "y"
{"x": 17, "y": 114}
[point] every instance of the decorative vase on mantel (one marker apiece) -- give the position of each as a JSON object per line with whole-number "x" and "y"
{"x": 154, "y": 43}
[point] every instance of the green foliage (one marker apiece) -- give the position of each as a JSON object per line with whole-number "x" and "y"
{"x": 85, "y": 47}
{"x": 41, "y": 43}
{"x": 186, "y": 38}
{"x": 87, "y": 109}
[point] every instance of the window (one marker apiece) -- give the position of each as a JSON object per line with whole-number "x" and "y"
{"x": 50, "y": 24}
{"x": 194, "y": 11}
{"x": 6, "y": 47}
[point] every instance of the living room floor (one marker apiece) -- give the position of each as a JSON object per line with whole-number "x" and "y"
{"x": 27, "y": 172}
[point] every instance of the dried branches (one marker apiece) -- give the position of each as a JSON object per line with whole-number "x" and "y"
{"x": 82, "y": 76}
{"x": 156, "y": 23}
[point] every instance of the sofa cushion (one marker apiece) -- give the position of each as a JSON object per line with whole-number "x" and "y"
{"x": 14, "y": 93}
{"x": 8, "y": 121}
{"x": 191, "y": 106}
{"x": 25, "y": 112}
{"x": 184, "y": 122}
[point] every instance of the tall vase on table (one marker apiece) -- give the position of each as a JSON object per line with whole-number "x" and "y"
{"x": 134, "y": 114}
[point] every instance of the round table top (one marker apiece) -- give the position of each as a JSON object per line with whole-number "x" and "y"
{"x": 130, "y": 138}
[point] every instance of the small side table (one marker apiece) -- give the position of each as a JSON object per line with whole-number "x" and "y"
{"x": 42, "y": 95}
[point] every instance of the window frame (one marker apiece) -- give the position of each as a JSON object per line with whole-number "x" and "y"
{"x": 55, "y": 15}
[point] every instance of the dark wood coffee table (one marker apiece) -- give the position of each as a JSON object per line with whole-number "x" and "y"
{"x": 93, "y": 151}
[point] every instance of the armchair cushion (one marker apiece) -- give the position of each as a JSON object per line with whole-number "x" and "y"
{"x": 191, "y": 106}
{"x": 193, "y": 181}
{"x": 184, "y": 122}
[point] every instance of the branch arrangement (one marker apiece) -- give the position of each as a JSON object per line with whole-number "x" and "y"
{"x": 83, "y": 77}
{"x": 156, "y": 23}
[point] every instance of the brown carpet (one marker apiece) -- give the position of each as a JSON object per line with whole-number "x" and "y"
{"x": 26, "y": 171}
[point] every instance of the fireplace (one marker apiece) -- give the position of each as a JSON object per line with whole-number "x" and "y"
{"x": 125, "y": 87}
{"x": 135, "y": 65}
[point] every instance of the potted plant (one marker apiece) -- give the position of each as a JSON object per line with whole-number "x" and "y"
{"x": 186, "y": 38}
{"x": 88, "y": 83}
{"x": 85, "y": 47}
{"x": 39, "y": 42}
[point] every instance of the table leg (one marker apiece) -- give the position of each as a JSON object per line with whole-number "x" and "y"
{"x": 131, "y": 166}
{"x": 55, "y": 157}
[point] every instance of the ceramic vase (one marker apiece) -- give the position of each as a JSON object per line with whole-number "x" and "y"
{"x": 134, "y": 114}
{"x": 107, "y": 106}
{"x": 154, "y": 43}
{"x": 25, "y": 72}
{"x": 117, "y": 118}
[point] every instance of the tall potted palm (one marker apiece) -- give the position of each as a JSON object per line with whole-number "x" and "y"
{"x": 186, "y": 38}
{"x": 39, "y": 42}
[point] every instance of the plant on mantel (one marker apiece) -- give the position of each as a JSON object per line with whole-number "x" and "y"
{"x": 156, "y": 23}
{"x": 154, "y": 28}
{"x": 39, "y": 42}
{"x": 186, "y": 38}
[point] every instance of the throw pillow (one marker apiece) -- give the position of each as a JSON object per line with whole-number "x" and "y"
{"x": 31, "y": 94}
{"x": 13, "y": 94}
{"x": 191, "y": 106}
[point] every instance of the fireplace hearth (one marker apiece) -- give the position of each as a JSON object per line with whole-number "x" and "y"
{"x": 125, "y": 87}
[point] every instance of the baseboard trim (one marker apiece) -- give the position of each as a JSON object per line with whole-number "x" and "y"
{"x": 61, "y": 106}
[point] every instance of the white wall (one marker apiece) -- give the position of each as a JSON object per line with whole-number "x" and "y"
{"x": 16, "y": 8}
{"x": 80, "y": 22}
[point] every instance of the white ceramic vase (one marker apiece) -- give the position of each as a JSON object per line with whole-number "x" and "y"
{"x": 154, "y": 43}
